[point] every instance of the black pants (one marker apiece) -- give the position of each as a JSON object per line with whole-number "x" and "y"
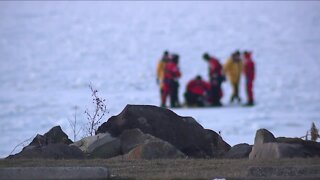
{"x": 215, "y": 94}
{"x": 194, "y": 99}
{"x": 174, "y": 93}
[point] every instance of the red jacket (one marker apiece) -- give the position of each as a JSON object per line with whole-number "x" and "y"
{"x": 249, "y": 68}
{"x": 199, "y": 87}
{"x": 215, "y": 67}
{"x": 171, "y": 71}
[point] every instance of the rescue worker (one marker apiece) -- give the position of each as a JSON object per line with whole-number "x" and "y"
{"x": 160, "y": 70}
{"x": 171, "y": 74}
{"x": 249, "y": 72}
{"x": 216, "y": 77}
{"x": 233, "y": 69}
{"x": 197, "y": 91}
{"x": 174, "y": 99}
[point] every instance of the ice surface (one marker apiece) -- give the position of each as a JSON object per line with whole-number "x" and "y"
{"x": 51, "y": 51}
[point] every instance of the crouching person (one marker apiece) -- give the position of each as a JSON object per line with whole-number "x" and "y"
{"x": 196, "y": 94}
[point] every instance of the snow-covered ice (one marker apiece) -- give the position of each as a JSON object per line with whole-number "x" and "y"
{"x": 51, "y": 51}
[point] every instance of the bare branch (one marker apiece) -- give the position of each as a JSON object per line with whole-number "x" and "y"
{"x": 74, "y": 124}
{"x": 94, "y": 118}
{"x": 21, "y": 144}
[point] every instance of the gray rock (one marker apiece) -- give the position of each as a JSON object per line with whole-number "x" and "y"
{"x": 107, "y": 150}
{"x": 53, "y": 144}
{"x": 53, "y": 136}
{"x": 102, "y": 145}
{"x": 218, "y": 145}
{"x": 266, "y": 147}
{"x": 51, "y": 151}
{"x": 239, "y": 151}
{"x": 21, "y": 173}
{"x": 263, "y": 136}
{"x": 131, "y": 139}
{"x": 312, "y": 148}
{"x": 154, "y": 149}
{"x": 90, "y": 143}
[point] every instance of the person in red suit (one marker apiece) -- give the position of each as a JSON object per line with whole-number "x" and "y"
{"x": 171, "y": 75}
{"x": 174, "y": 94}
{"x": 216, "y": 77}
{"x": 197, "y": 90}
{"x": 249, "y": 72}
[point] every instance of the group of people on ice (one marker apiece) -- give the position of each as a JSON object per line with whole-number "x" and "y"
{"x": 199, "y": 92}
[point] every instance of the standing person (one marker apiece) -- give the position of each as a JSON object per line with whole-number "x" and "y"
{"x": 197, "y": 91}
{"x": 249, "y": 72}
{"x": 233, "y": 69}
{"x": 171, "y": 74}
{"x": 161, "y": 70}
{"x": 216, "y": 77}
{"x": 174, "y": 99}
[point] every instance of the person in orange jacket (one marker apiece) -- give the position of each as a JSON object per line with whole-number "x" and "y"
{"x": 161, "y": 70}
{"x": 197, "y": 92}
{"x": 233, "y": 69}
{"x": 249, "y": 72}
{"x": 171, "y": 74}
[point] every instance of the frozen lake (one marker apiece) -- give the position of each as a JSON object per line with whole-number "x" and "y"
{"x": 51, "y": 51}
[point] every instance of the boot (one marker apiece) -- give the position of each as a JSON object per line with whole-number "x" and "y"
{"x": 250, "y": 103}
{"x": 232, "y": 99}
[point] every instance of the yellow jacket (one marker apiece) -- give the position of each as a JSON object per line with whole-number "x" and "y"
{"x": 233, "y": 70}
{"x": 160, "y": 71}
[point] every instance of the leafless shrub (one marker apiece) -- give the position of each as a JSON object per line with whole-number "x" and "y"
{"x": 94, "y": 117}
{"x": 314, "y": 132}
{"x": 76, "y": 128}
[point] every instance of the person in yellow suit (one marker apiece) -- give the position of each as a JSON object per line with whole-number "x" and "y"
{"x": 233, "y": 69}
{"x": 161, "y": 70}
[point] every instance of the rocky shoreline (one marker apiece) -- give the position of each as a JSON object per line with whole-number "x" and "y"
{"x": 143, "y": 132}
{"x": 150, "y": 132}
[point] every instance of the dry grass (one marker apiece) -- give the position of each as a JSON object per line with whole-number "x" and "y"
{"x": 168, "y": 169}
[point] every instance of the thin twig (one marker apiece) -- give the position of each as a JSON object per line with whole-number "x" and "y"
{"x": 21, "y": 144}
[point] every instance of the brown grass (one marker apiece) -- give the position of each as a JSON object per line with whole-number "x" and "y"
{"x": 168, "y": 169}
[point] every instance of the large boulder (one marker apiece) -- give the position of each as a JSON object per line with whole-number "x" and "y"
{"x": 312, "y": 148}
{"x": 132, "y": 138}
{"x": 53, "y": 144}
{"x": 263, "y": 136}
{"x": 107, "y": 150}
{"x": 239, "y": 151}
{"x": 53, "y": 136}
{"x": 154, "y": 148}
{"x": 51, "y": 151}
{"x": 182, "y": 132}
{"x": 218, "y": 145}
{"x": 266, "y": 146}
